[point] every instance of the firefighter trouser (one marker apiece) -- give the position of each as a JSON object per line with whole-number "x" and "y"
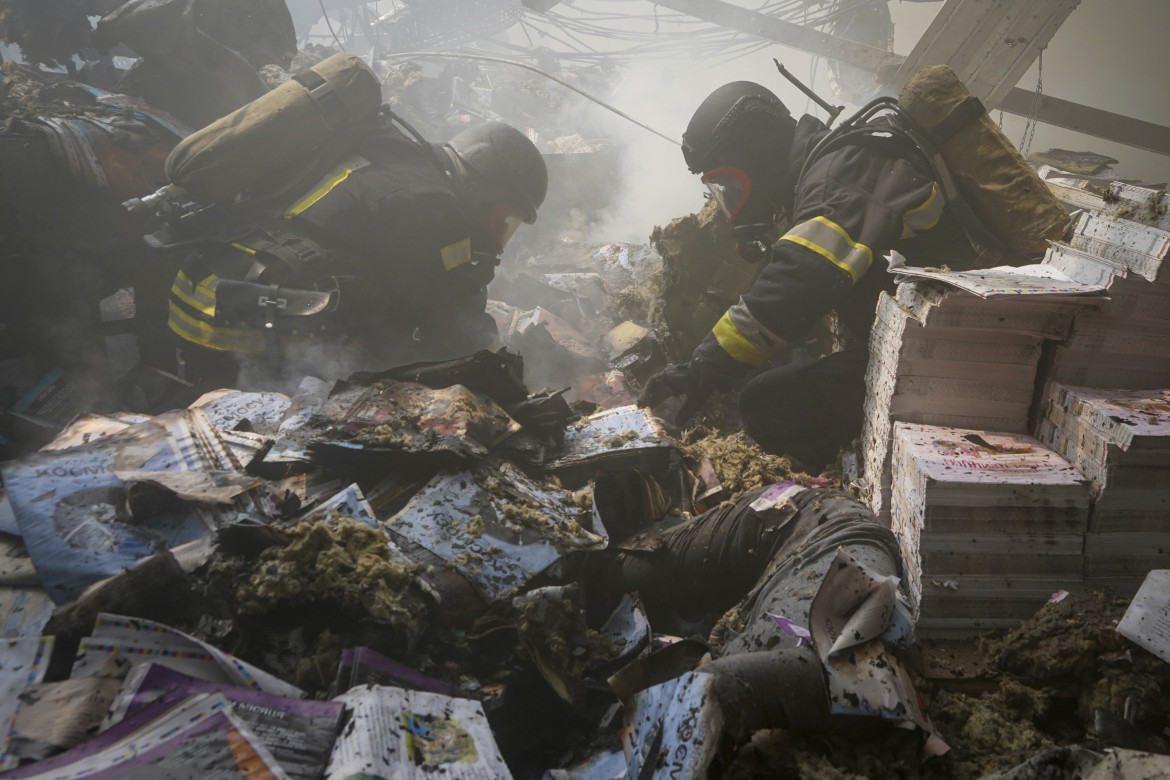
{"x": 808, "y": 411}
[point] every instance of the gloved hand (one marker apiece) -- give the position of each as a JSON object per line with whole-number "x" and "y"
{"x": 676, "y": 380}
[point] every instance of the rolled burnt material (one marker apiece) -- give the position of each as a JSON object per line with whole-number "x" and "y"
{"x": 771, "y": 689}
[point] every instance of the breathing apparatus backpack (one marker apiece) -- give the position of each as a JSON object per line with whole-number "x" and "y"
{"x": 1002, "y": 190}
{"x": 227, "y": 183}
{"x": 257, "y": 140}
{"x": 1000, "y": 202}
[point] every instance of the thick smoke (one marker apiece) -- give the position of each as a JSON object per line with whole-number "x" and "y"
{"x": 656, "y": 186}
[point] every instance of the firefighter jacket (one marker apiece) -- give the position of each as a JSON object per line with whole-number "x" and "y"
{"x": 853, "y": 204}
{"x": 381, "y": 237}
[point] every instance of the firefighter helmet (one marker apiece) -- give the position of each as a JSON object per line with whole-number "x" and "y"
{"x": 737, "y": 123}
{"x": 506, "y": 167}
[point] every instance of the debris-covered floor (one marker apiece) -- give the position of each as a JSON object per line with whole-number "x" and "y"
{"x": 502, "y": 566}
{"x": 525, "y": 571}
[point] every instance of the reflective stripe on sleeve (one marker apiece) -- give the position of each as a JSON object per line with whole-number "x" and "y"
{"x": 832, "y": 242}
{"x": 200, "y": 297}
{"x": 743, "y": 337}
{"x": 212, "y": 336}
{"x": 455, "y": 255}
{"x": 924, "y": 217}
{"x": 326, "y": 185}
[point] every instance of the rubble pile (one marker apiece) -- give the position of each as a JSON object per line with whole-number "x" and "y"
{"x": 433, "y": 570}
{"x": 1060, "y": 674}
{"x": 184, "y": 573}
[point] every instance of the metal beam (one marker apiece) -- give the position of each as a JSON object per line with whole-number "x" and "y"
{"x": 1049, "y": 110}
{"x": 989, "y": 44}
{"x": 797, "y": 36}
{"x": 1090, "y": 121}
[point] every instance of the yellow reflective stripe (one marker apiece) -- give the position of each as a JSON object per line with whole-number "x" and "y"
{"x": 832, "y": 242}
{"x": 211, "y": 336}
{"x": 200, "y": 297}
{"x": 331, "y": 180}
{"x": 923, "y": 217}
{"x": 735, "y": 343}
{"x": 243, "y": 248}
{"x": 455, "y": 255}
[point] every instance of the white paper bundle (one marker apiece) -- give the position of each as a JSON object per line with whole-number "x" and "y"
{"x": 973, "y": 509}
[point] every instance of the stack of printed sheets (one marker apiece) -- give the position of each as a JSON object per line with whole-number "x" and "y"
{"x": 990, "y": 525}
{"x": 1120, "y": 441}
{"x": 963, "y": 353}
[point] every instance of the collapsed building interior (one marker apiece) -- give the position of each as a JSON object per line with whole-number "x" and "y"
{"x": 540, "y": 578}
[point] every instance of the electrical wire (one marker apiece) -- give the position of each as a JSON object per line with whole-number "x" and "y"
{"x": 329, "y": 24}
{"x": 534, "y": 69}
{"x": 591, "y": 32}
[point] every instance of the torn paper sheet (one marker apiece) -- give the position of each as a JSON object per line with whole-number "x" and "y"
{"x": 24, "y": 611}
{"x": 119, "y": 642}
{"x": 853, "y": 605}
{"x": 673, "y": 730}
{"x": 201, "y": 737}
{"x": 77, "y": 516}
{"x": 620, "y": 439}
{"x": 405, "y": 417}
{"x": 298, "y": 732}
{"x": 495, "y": 525}
{"x": 1004, "y": 280}
{"x": 870, "y": 680}
{"x": 23, "y": 662}
{"x": 252, "y": 411}
{"x": 1147, "y": 619}
{"x": 55, "y": 716}
{"x": 350, "y": 502}
{"x": 414, "y": 735}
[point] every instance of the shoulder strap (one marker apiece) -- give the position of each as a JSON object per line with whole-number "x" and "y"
{"x": 282, "y": 254}
{"x": 991, "y": 250}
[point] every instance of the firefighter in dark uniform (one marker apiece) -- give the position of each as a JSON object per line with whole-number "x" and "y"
{"x": 382, "y": 259}
{"x": 851, "y": 205}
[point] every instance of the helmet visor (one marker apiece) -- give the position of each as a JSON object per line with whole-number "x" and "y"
{"x": 730, "y": 188}
{"x": 504, "y": 220}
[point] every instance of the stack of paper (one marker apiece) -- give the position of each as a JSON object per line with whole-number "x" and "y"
{"x": 1082, "y": 265}
{"x": 943, "y": 354}
{"x": 1142, "y": 248}
{"x": 1123, "y": 245}
{"x": 990, "y": 525}
{"x": 1124, "y": 344}
{"x": 1115, "y": 199}
{"x": 1120, "y": 440}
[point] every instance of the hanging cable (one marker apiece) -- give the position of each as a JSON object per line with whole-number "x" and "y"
{"x": 329, "y": 24}
{"x": 1030, "y": 125}
{"x": 534, "y": 69}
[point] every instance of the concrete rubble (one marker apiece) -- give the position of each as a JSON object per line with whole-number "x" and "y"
{"x": 501, "y": 566}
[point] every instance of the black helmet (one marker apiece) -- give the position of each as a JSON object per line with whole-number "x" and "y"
{"x": 736, "y": 123}
{"x": 506, "y": 166}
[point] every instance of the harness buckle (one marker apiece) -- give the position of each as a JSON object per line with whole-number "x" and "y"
{"x": 271, "y": 306}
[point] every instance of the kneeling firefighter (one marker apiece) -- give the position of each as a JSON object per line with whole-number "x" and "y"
{"x": 843, "y": 199}
{"x": 376, "y": 252}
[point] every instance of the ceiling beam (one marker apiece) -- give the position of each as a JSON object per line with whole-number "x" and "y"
{"x": 796, "y": 36}
{"x": 1088, "y": 120}
{"x": 886, "y": 65}
{"x": 989, "y": 44}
